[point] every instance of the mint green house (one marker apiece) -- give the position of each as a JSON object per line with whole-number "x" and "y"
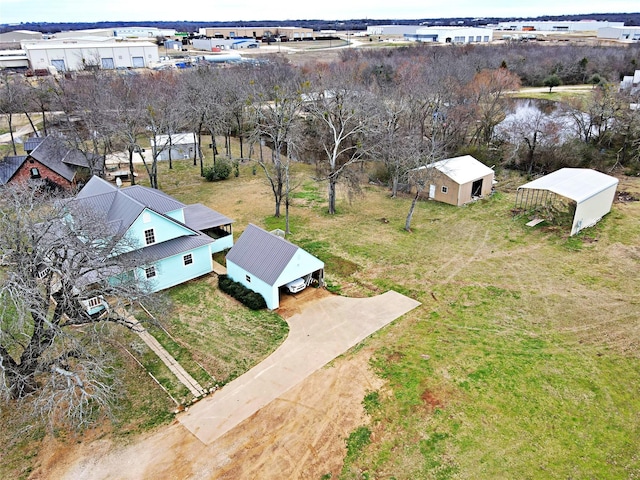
{"x": 265, "y": 263}
{"x": 175, "y": 240}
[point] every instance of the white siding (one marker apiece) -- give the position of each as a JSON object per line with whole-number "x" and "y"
{"x": 589, "y": 211}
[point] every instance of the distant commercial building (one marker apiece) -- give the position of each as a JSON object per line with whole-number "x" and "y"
{"x": 80, "y": 55}
{"x": 557, "y": 26}
{"x": 285, "y": 33}
{"x": 451, "y": 35}
{"x": 17, "y": 36}
{"x": 143, "y": 32}
{"x": 400, "y": 30}
{"x": 88, "y": 33}
{"x": 631, "y": 83}
{"x": 217, "y": 44}
{"x": 13, "y": 59}
{"x": 622, "y": 34}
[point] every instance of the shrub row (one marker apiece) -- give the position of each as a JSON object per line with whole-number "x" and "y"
{"x": 251, "y": 299}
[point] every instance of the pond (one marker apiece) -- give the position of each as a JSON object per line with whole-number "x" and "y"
{"x": 550, "y": 119}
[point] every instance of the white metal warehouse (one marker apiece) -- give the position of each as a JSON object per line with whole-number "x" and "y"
{"x": 592, "y": 191}
{"x": 77, "y": 55}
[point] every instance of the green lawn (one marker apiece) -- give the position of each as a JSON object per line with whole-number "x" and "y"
{"x": 522, "y": 361}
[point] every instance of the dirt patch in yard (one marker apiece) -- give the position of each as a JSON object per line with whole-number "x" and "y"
{"x": 291, "y": 304}
{"x": 299, "y": 435}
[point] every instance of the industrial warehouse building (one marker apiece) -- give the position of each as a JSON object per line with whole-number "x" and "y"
{"x": 557, "y": 26}
{"x": 288, "y": 33}
{"x": 81, "y": 54}
{"x": 451, "y": 35}
{"x": 622, "y": 34}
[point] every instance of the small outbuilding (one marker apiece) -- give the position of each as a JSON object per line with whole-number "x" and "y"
{"x": 591, "y": 191}
{"x": 265, "y": 263}
{"x": 177, "y": 146}
{"x": 459, "y": 180}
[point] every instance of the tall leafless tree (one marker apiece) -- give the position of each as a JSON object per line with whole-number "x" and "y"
{"x": 275, "y": 111}
{"x": 58, "y": 258}
{"x": 343, "y": 115}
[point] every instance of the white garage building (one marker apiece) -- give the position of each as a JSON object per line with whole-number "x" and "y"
{"x": 451, "y": 35}
{"x": 79, "y": 55}
{"x": 622, "y": 34}
{"x": 264, "y": 262}
{"x": 593, "y": 193}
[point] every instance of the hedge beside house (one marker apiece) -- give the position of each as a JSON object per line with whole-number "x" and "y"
{"x": 251, "y": 299}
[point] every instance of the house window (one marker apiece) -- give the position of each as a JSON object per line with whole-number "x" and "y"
{"x": 248, "y": 277}
{"x": 94, "y": 302}
{"x": 445, "y": 189}
{"x": 188, "y": 259}
{"x": 149, "y": 236}
{"x": 150, "y": 272}
{"x": 35, "y": 173}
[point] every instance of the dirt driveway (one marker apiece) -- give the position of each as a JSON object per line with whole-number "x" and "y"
{"x": 286, "y": 418}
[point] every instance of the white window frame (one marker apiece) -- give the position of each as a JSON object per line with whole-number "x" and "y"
{"x": 150, "y": 271}
{"x": 149, "y": 236}
{"x": 94, "y": 302}
{"x": 444, "y": 189}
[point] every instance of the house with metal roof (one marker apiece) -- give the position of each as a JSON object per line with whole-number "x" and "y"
{"x": 176, "y": 146}
{"x": 175, "y": 241}
{"x": 52, "y": 160}
{"x": 265, "y": 263}
{"x": 459, "y": 180}
{"x": 590, "y": 192}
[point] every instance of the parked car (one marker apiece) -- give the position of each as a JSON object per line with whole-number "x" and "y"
{"x": 296, "y": 285}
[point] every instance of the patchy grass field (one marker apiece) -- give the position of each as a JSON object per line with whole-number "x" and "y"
{"x": 523, "y": 361}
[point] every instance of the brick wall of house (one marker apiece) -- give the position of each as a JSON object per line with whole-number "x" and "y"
{"x": 24, "y": 174}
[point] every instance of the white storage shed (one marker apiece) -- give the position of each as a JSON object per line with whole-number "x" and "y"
{"x": 593, "y": 193}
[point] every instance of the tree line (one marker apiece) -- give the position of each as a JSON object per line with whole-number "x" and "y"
{"x": 371, "y": 104}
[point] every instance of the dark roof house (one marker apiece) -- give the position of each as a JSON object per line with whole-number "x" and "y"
{"x": 51, "y": 159}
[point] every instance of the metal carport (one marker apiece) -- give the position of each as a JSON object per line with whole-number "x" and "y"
{"x": 592, "y": 191}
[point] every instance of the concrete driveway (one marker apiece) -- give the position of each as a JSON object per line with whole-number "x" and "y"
{"x": 325, "y": 329}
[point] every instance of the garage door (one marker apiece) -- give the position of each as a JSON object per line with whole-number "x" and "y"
{"x": 138, "y": 62}
{"x": 107, "y": 64}
{"x": 59, "y": 64}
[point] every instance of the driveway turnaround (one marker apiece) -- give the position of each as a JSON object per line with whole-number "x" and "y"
{"x": 325, "y": 329}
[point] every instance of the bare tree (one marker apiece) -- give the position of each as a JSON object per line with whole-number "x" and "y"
{"x": 275, "y": 111}
{"x": 127, "y": 117}
{"x": 9, "y": 103}
{"x": 343, "y": 115}
{"x": 421, "y": 153}
{"x": 530, "y": 132}
{"x": 488, "y": 94}
{"x": 158, "y": 111}
{"x": 58, "y": 262}
{"x": 83, "y": 125}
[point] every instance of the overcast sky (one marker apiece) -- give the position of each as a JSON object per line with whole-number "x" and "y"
{"x": 16, "y": 11}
